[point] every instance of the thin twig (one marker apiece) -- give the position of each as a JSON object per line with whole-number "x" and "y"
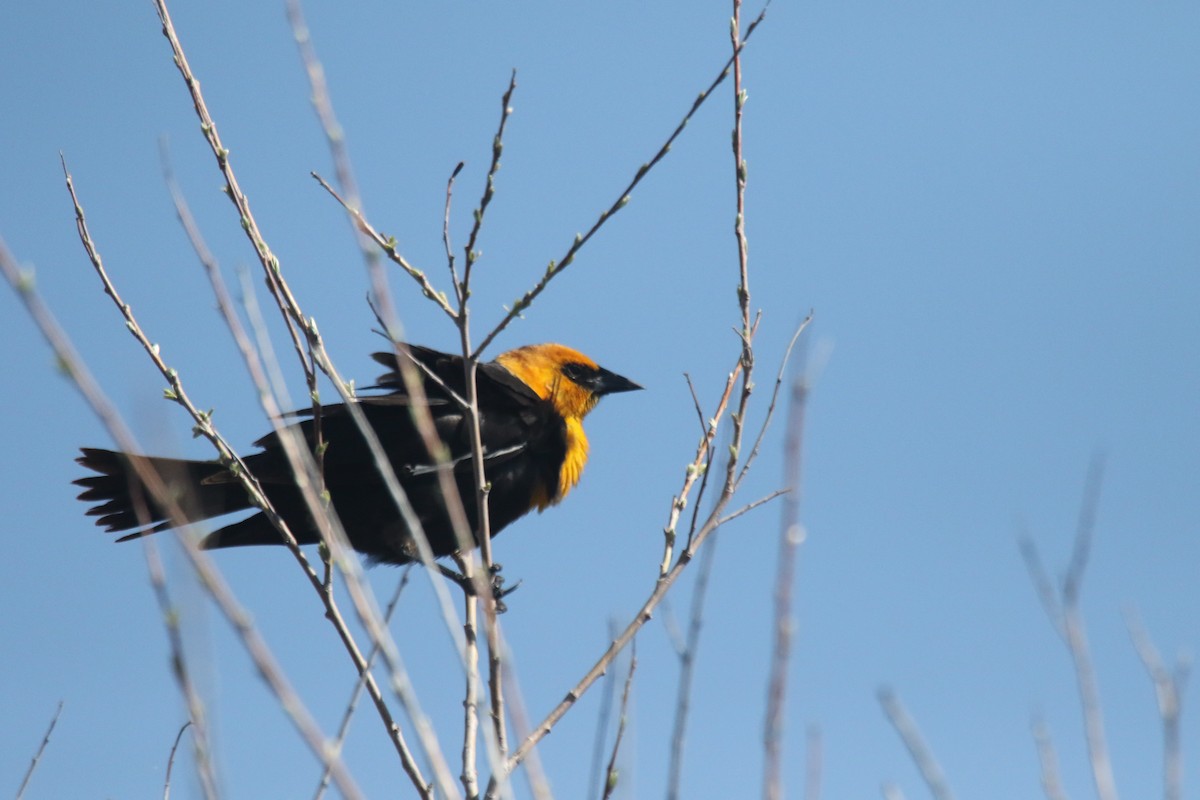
{"x": 446, "y": 224}
{"x": 611, "y": 775}
{"x": 922, "y": 756}
{"x": 391, "y": 249}
{"x": 783, "y": 363}
{"x": 1085, "y": 529}
{"x": 1047, "y": 761}
{"x": 360, "y": 684}
{"x": 695, "y": 400}
{"x": 255, "y": 646}
{"x": 470, "y": 770}
{"x": 364, "y": 603}
{"x": 171, "y": 760}
{"x": 37, "y": 756}
{"x": 687, "y": 652}
{"x": 1042, "y": 585}
{"x": 335, "y": 137}
{"x": 640, "y": 618}
{"x": 555, "y": 268}
{"x": 668, "y": 572}
{"x": 753, "y": 504}
{"x": 791, "y": 535}
{"x": 288, "y": 438}
{"x": 535, "y": 775}
{"x": 1168, "y": 692}
{"x": 483, "y": 529}
{"x": 1067, "y": 618}
{"x": 696, "y": 469}
{"x": 748, "y": 329}
{"x": 489, "y": 190}
{"x": 595, "y": 784}
{"x": 179, "y": 667}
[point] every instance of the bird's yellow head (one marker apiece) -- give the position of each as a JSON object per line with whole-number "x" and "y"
{"x": 573, "y": 384}
{"x": 571, "y": 381}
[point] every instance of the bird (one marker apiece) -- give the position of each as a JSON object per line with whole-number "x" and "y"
{"x": 532, "y": 401}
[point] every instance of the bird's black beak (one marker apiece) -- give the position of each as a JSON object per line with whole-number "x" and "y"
{"x": 606, "y": 382}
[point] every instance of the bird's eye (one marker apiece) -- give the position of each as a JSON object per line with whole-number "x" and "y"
{"x": 575, "y": 372}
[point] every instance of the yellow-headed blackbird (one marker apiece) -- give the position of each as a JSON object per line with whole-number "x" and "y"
{"x": 532, "y": 402}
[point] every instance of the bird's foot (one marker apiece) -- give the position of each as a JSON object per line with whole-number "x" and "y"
{"x": 499, "y": 591}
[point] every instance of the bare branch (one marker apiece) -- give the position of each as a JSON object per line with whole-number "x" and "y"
{"x": 171, "y": 761}
{"x": 304, "y": 477}
{"x": 1067, "y": 618}
{"x": 37, "y": 756}
{"x": 687, "y": 650}
{"x": 922, "y": 756}
{"x": 1168, "y": 691}
{"x": 255, "y": 646}
{"x": 446, "y": 226}
{"x": 611, "y": 774}
{"x": 391, "y": 249}
{"x": 197, "y": 717}
{"x": 1048, "y": 760}
{"x": 791, "y": 535}
{"x": 595, "y": 784}
{"x": 783, "y": 363}
{"x": 1042, "y": 585}
{"x": 470, "y": 773}
{"x": 732, "y": 515}
{"x": 361, "y": 683}
{"x": 555, "y": 268}
{"x": 335, "y": 137}
{"x": 1084, "y": 531}
{"x": 489, "y": 190}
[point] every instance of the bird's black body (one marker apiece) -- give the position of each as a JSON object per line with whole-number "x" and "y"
{"x": 525, "y": 444}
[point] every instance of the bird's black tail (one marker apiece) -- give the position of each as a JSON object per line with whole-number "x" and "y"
{"x": 122, "y": 502}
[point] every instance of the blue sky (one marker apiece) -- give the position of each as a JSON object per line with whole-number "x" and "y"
{"x": 992, "y": 210}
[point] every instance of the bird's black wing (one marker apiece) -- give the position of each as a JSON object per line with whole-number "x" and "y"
{"x": 497, "y": 387}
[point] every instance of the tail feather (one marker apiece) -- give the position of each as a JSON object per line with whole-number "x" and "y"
{"x": 123, "y": 503}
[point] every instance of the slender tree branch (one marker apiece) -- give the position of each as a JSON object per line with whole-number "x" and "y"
{"x": 687, "y": 651}
{"x": 454, "y": 279}
{"x": 555, "y": 268}
{"x": 197, "y": 717}
{"x": 1067, "y": 618}
{"x": 611, "y": 776}
{"x": 1168, "y": 691}
{"x": 289, "y": 439}
{"x": 335, "y": 137}
{"x": 255, "y": 646}
{"x": 37, "y": 756}
{"x": 732, "y": 515}
{"x": 171, "y": 762}
{"x": 391, "y": 249}
{"x": 783, "y": 363}
{"x": 361, "y": 683}
{"x": 470, "y": 773}
{"x": 1048, "y": 761}
{"x": 489, "y": 191}
{"x": 595, "y": 783}
{"x": 363, "y": 602}
{"x": 791, "y": 535}
{"x": 922, "y": 756}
